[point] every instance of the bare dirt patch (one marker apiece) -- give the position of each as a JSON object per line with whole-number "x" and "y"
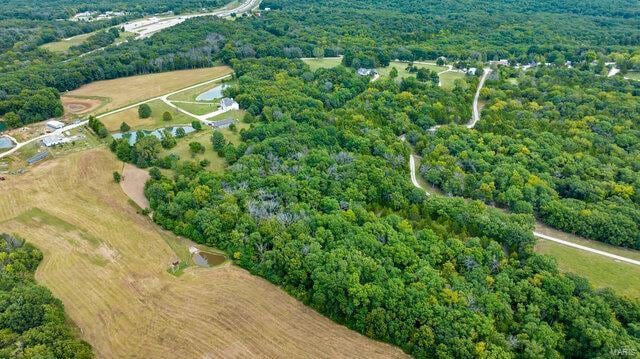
{"x": 124, "y": 300}
{"x": 133, "y": 180}
{"x": 79, "y": 106}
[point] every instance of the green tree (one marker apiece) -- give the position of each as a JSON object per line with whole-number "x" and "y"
{"x": 180, "y": 132}
{"x": 124, "y": 127}
{"x": 195, "y": 148}
{"x": 12, "y": 120}
{"x": 197, "y": 125}
{"x": 166, "y": 116}
{"x": 144, "y": 111}
{"x": 218, "y": 141}
{"x": 393, "y": 73}
{"x": 117, "y": 177}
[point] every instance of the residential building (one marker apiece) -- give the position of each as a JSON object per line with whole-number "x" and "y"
{"x": 229, "y": 104}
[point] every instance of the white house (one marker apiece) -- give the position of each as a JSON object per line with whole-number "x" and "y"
{"x": 229, "y": 104}
{"x": 472, "y": 71}
{"x": 55, "y": 125}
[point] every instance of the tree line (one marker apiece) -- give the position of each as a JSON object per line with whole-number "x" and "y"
{"x": 32, "y": 321}
{"x": 318, "y": 201}
{"x": 560, "y": 143}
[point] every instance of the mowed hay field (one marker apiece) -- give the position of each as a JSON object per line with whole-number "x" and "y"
{"x": 123, "y": 91}
{"x": 109, "y": 267}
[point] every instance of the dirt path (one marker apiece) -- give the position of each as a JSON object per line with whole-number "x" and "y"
{"x": 82, "y": 123}
{"x": 133, "y": 181}
{"x": 476, "y": 110}
{"x": 471, "y": 124}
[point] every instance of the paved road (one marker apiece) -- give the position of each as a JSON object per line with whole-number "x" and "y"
{"x": 471, "y": 124}
{"x": 82, "y": 123}
{"x": 146, "y": 28}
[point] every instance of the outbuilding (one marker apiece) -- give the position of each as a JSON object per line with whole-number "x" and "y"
{"x": 222, "y": 123}
{"x": 55, "y": 125}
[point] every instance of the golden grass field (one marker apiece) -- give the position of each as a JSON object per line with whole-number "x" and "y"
{"x": 108, "y": 265}
{"x": 123, "y": 91}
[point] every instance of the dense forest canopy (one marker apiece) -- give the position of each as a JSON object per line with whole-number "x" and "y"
{"x": 561, "y": 143}
{"x": 368, "y": 33}
{"x": 317, "y": 199}
{"x": 32, "y": 321}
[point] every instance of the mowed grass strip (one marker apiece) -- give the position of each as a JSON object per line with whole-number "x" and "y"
{"x": 402, "y": 68}
{"x": 216, "y": 163}
{"x": 192, "y": 94}
{"x": 602, "y": 272}
{"x": 124, "y": 91}
{"x": 198, "y": 108}
{"x": 65, "y": 45}
{"x": 108, "y": 265}
{"x": 324, "y": 63}
{"x": 131, "y": 117}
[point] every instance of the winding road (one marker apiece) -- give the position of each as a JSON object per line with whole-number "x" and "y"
{"x": 475, "y": 118}
{"x": 60, "y": 131}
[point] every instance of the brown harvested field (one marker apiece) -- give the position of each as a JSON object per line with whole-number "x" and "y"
{"x": 109, "y": 267}
{"x": 123, "y": 91}
{"x": 133, "y": 180}
{"x": 79, "y": 106}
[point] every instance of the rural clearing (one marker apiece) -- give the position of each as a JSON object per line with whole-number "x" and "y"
{"x": 109, "y": 264}
{"x": 123, "y": 91}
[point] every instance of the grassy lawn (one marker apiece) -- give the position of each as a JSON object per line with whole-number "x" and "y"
{"x": 402, "y": 72}
{"x": 623, "y": 278}
{"x": 325, "y": 63}
{"x": 190, "y": 95}
{"x": 217, "y": 163}
{"x": 204, "y": 138}
{"x": 198, "y": 108}
{"x": 624, "y": 252}
{"x": 633, "y": 75}
{"x": 123, "y": 91}
{"x": 65, "y": 45}
{"x": 448, "y": 79}
{"x": 130, "y": 116}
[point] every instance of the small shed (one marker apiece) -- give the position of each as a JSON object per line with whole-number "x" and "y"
{"x": 222, "y": 123}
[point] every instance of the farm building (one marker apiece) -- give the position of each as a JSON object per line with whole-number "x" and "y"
{"x": 37, "y": 158}
{"x": 55, "y": 125}
{"x": 229, "y": 104}
{"x": 53, "y": 140}
{"x": 222, "y": 123}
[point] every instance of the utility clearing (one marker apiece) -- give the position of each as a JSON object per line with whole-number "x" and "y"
{"x": 109, "y": 264}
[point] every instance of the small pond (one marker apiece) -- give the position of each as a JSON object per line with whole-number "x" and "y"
{"x": 213, "y": 94}
{"x": 207, "y": 259}
{"x": 5, "y": 143}
{"x": 133, "y": 135}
